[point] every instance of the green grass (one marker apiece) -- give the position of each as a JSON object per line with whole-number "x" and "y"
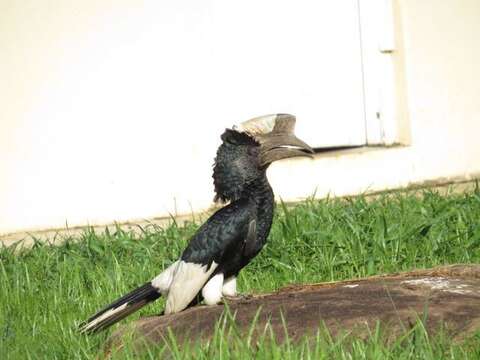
{"x": 46, "y": 291}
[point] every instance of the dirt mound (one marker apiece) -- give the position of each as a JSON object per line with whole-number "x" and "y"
{"x": 450, "y": 295}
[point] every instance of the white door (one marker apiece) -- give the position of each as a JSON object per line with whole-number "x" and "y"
{"x": 234, "y": 60}
{"x": 299, "y": 57}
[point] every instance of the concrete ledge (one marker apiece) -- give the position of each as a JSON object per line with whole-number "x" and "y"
{"x": 58, "y": 235}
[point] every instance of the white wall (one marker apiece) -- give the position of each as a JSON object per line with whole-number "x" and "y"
{"x": 83, "y": 138}
{"x": 96, "y": 171}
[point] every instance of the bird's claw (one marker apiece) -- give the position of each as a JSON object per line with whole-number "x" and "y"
{"x": 238, "y": 297}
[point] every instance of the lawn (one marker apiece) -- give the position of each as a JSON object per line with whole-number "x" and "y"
{"x": 47, "y": 290}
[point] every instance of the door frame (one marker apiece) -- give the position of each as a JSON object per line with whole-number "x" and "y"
{"x": 382, "y": 93}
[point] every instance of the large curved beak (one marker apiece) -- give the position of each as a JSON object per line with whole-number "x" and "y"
{"x": 275, "y": 133}
{"x": 282, "y": 146}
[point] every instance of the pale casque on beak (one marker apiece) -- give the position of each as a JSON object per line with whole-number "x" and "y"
{"x": 276, "y": 136}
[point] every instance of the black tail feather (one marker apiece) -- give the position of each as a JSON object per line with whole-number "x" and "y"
{"x": 121, "y": 308}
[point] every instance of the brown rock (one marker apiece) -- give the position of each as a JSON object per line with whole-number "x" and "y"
{"x": 447, "y": 297}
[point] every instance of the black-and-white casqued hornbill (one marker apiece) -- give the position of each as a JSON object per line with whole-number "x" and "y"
{"x": 233, "y": 235}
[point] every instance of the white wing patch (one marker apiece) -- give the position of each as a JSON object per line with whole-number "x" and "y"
{"x": 163, "y": 281}
{"x": 188, "y": 280}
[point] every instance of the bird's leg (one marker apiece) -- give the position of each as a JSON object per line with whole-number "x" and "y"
{"x": 229, "y": 287}
{"x": 229, "y": 290}
{"x": 212, "y": 291}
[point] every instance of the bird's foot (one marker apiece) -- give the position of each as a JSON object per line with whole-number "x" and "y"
{"x": 238, "y": 297}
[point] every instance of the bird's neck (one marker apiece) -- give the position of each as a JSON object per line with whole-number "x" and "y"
{"x": 260, "y": 192}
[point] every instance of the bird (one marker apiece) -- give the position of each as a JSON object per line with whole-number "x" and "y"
{"x": 233, "y": 235}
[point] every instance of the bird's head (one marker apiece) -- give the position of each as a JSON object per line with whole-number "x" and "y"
{"x": 249, "y": 148}
{"x": 276, "y": 137}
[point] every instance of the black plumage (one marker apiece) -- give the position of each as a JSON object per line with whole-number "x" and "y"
{"x": 236, "y": 233}
{"x": 233, "y": 235}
